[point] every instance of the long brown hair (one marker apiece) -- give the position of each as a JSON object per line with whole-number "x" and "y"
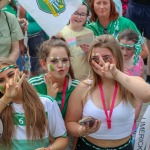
{"x": 113, "y": 13}
{"x": 35, "y": 116}
{"x": 55, "y": 41}
{"x": 106, "y": 41}
{"x": 129, "y": 35}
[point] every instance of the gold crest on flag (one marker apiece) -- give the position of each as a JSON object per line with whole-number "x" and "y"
{"x": 54, "y": 7}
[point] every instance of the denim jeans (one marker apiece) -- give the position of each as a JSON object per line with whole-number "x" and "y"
{"x": 19, "y": 62}
{"x": 34, "y": 42}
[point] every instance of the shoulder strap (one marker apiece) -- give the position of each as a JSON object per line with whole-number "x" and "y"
{"x": 7, "y": 22}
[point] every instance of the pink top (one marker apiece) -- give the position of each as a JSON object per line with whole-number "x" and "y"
{"x": 137, "y": 69}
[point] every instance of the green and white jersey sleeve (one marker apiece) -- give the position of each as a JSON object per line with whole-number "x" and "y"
{"x": 39, "y": 85}
{"x": 56, "y": 126}
{"x": 55, "y": 121}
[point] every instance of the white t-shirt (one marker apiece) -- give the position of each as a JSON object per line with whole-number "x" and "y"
{"x": 55, "y": 123}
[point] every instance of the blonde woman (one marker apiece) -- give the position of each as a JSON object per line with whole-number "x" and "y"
{"x": 109, "y": 97}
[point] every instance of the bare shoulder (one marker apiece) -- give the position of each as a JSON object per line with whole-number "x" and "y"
{"x": 85, "y": 83}
{"x": 82, "y": 88}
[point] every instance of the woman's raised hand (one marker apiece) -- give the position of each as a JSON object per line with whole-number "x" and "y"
{"x": 13, "y": 85}
{"x": 52, "y": 89}
{"x": 105, "y": 69}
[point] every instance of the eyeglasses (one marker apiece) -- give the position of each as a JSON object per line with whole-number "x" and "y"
{"x": 56, "y": 60}
{"x": 80, "y": 14}
{"x": 106, "y": 58}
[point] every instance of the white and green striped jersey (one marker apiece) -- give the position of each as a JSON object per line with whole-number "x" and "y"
{"x": 56, "y": 126}
{"x": 39, "y": 84}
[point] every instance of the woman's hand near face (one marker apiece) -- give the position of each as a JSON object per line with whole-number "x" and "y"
{"x": 52, "y": 88}
{"x": 105, "y": 69}
{"x": 14, "y": 85}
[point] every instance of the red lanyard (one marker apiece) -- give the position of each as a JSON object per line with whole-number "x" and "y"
{"x": 63, "y": 94}
{"x": 108, "y": 116}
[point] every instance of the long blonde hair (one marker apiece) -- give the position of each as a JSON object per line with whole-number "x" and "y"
{"x": 106, "y": 41}
{"x": 35, "y": 116}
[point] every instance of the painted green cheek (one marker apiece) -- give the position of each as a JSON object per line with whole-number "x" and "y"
{"x": 1, "y": 88}
{"x": 51, "y": 67}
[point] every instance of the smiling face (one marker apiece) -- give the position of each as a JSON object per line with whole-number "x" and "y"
{"x": 102, "y": 8}
{"x": 78, "y": 18}
{"x": 127, "y": 50}
{"x": 59, "y": 60}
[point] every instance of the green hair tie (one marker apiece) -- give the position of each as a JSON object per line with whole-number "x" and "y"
{"x": 7, "y": 67}
{"x": 137, "y": 51}
{"x": 127, "y": 45}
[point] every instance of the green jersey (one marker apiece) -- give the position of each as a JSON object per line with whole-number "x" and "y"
{"x": 114, "y": 27}
{"x": 39, "y": 84}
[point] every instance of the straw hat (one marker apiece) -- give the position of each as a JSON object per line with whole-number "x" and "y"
{"x": 3, "y": 3}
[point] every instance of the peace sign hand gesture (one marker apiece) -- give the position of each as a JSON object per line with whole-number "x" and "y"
{"x": 52, "y": 89}
{"x": 14, "y": 84}
{"x": 105, "y": 69}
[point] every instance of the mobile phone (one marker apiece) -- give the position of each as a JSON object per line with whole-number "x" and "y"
{"x": 86, "y": 120}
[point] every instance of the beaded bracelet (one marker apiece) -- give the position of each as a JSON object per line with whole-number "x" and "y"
{"x": 4, "y": 102}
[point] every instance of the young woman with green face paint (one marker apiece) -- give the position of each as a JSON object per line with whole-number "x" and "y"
{"x": 58, "y": 82}
{"x": 28, "y": 119}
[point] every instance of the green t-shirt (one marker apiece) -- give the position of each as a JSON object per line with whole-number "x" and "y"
{"x": 114, "y": 27}
{"x": 33, "y": 26}
{"x": 39, "y": 84}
